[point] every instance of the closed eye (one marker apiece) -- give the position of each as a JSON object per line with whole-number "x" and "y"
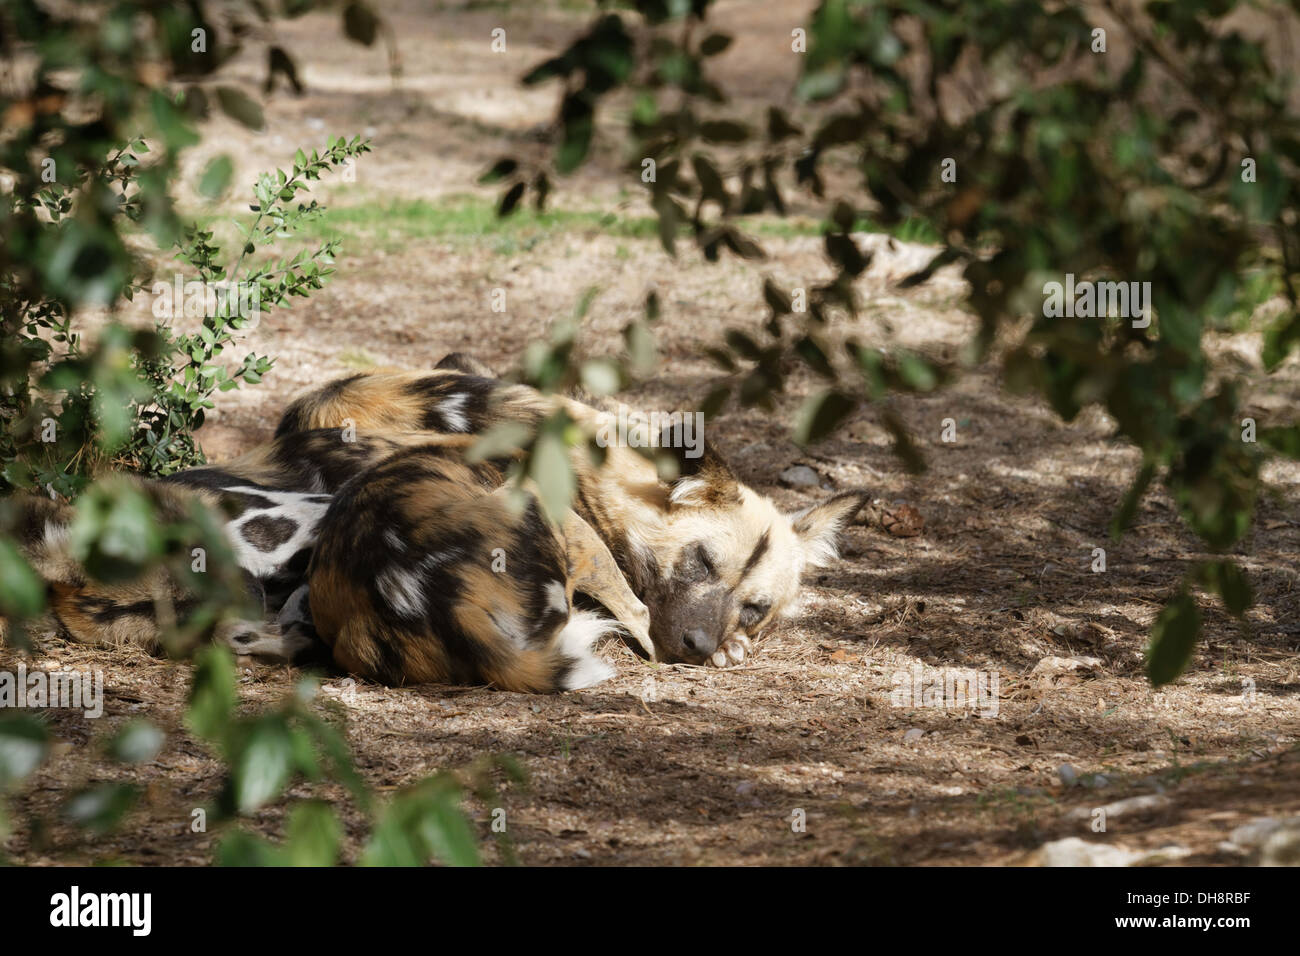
{"x": 753, "y": 612}
{"x": 695, "y": 566}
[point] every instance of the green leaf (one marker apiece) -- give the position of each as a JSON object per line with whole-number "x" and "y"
{"x": 714, "y": 43}
{"x": 502, "y": 168}
{"x": 216, "y": 177}
{"x": 578, "y": 124}
{"x": 99, "y": 808}
{"x": 22, "y": 592}
{"x": 24, "y": 743}
{"x": 360, "y": 23}
{"x": 510, "y": 200}
{"x": 1132, "y": 498}
{"x": 1284, "y": 439}
{"x": 601, "y": 377}
{"x": 1228, "y": 580}
{"x": 551, "y": 471}
{"x": 263, "y": 764}
{"x": 1279, "y": 339}
{"x": 137, "y": 742}
{"x": 313, "y": 835}
{"x": 820, "y": 415}
{"x": 240, "y": 108}
{"x": 1173, "y": 639}
{"x": 212, "y": 693}
{"x": 239, "y": 848}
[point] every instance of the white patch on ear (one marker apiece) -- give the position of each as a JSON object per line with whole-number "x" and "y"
{"x": 688, "y": 491}
{"x": 818, "y": 527}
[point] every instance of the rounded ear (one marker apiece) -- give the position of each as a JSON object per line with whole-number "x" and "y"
{"x": 818, "y": 527}
{"x": 703, "y": 478}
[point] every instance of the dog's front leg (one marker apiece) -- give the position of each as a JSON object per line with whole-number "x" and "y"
{"x": 594, "y": 572}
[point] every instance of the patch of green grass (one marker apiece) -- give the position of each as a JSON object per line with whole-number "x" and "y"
{"x": 467, "y": 218}
{"x": 357, "y": 358}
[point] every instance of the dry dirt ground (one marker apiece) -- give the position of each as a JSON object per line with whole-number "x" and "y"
{"x": 687, "y": 765}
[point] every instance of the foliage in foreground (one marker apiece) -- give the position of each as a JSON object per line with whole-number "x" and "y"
{"x": 266, "y": 755}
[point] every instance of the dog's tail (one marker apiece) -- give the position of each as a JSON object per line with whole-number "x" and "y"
{"x": 570, "y": 662}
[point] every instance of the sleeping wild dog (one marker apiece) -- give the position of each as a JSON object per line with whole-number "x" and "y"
{"x": 713, "y": 561}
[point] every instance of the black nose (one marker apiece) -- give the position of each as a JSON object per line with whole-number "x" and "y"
{"x": 695, "y": 641}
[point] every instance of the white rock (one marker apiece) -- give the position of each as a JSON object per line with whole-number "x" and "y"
{"x": 1052, "y": 666}
{"x": 1073, "y": 851}
{"x": 1141, "y": 804}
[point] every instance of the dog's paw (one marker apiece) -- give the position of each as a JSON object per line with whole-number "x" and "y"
{"x": 732, "y": 651}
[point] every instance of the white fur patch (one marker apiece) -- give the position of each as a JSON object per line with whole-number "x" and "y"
{"x": 575, "y": 642}
{"x": 402, "y": 590}
{"x": 56, "y": 535}
{"x": 555, "y": 597}
{"x": 452, "y": 410}
{"x": 510, "y": 627}
{"x": 304, "y": 513}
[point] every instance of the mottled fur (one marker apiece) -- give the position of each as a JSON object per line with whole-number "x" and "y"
{"x": 427, "y": 570}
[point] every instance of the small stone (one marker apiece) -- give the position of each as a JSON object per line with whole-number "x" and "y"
{"x": 1119, "y": 808}
{"x": 1053, "y": 666}
{"x": 1283, "y": 847}
{"x": 800, "y": 476}
{"x": 915, "y": 733}
{"x": 1069, "y": 776}
{"x": 1073, "y": 851}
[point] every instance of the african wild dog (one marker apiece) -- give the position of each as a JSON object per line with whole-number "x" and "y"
{"x": 424, "y": 571}
{"x": 714, "y": 561}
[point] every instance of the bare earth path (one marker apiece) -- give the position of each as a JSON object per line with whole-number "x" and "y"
{"x": 696, "y": 766}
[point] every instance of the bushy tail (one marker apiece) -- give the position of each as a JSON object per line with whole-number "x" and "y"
{"x": 568, "y": 663}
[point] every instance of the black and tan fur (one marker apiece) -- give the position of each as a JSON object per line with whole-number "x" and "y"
{"x": 426, "y": 570}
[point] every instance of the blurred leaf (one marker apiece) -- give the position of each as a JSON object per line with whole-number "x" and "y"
{"x": 212, "y": 693}
{"x": 100, "y": 808}
{"x": 240, "y": 108}
{"x": 1228, "y": 580}
{"x": 137, "y": 742}
{"x": 262, "y": 765}
{"x": 216, "y": 177}
{"x": 360, "y": 23}
{"x": 313, "y": 835}
{"x": 820, "y": 415}
{"x": 1173, "y": 639}
{"x": 24, "y": 744}
{"x": 22, "y": 592}
{"x": 551, "y": 471}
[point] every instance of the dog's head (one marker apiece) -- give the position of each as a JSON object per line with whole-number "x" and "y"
{"x": 725, "y": 560}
